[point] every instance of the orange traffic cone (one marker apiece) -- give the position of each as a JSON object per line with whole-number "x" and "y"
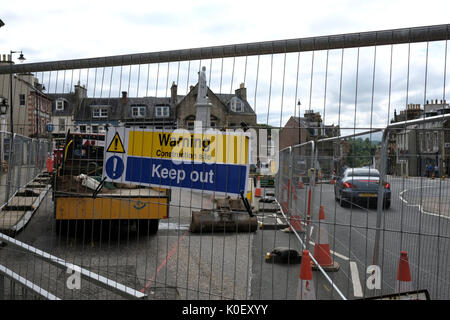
{"x": 305, "y": 289}
{"x": 300, "y": 183}
{"x": 258, "y": 187}
{"x": 322, "y": 253}
{"x": 294, "y": 224}
{"x": 284, "y": 199}
{"x": 49, "y": 164}
{"x": 404, "y": 282}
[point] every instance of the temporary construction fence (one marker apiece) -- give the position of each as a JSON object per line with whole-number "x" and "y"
{"x": 311, "y": 107}
{"x": 22, "y": 162}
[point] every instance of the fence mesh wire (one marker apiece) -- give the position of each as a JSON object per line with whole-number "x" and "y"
{"x": 316, "y": 114}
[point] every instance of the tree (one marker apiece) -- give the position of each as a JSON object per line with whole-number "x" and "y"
{"x": 361, "y": 153}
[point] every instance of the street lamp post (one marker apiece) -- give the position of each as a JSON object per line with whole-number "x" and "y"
{"x": 11, "y": 120}
{"x": 299, "y": 123}
{"x": 21, "y": 59}
{"x": 3, "y": 110}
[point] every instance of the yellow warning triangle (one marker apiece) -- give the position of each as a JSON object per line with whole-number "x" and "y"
{"x": 116, "y": 145}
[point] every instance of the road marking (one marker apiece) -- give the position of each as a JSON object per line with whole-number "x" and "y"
{"x": 209, "y": 199}
{"x": 164, "y": 262}
{"x": 326, "y": 288}
{"x": 333, "y": 252}
{"x": 421, "y": 210}
{"x": 357, "y": 289}
{"x": 311, "y": 231}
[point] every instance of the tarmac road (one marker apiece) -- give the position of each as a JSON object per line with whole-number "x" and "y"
{"x": 173, "y": 264}
{"x": 351, "y": 232}
{"x": 177, "y": 264}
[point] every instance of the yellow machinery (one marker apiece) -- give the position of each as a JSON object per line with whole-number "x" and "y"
{"x": 109, "y": 204}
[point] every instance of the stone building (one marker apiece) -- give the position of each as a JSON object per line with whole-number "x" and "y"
{"x": 227, "y": 110}
{"x": 299, "y": 130}
{"x": 416, "y": 146}
{"x": 31, "y": 106}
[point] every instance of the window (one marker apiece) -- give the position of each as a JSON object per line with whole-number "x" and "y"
{"x": 83, "y": 129}
{"x": 100, "y": 112}
{"x": 236, "y": 105}
{"x": 138, "y": 111}
{"x": 421, "y": 142}
{"x": 436, "y": 143}
{"x": 94, "y": 129}
{"x": 190, "y": 125}
{"x": 62, "y": 125}
{"x": 162, "y": 112}
{"x": 59, "y": 105}
{"x": 22, "y": 99}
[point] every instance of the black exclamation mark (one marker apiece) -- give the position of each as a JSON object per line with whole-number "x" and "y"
{"x": 115, "y": 143}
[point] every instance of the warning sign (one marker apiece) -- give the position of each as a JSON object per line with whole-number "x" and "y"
{"x": 216, "y": 162}
{"x": 116, "y": 145}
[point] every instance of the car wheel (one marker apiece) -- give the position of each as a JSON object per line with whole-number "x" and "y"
{"x": 343, "y": 203}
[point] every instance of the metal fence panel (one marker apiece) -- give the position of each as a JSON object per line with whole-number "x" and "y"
{"x": 348, "y": 159}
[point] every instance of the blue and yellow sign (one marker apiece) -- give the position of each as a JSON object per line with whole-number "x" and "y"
{"x": 213, "y": 161}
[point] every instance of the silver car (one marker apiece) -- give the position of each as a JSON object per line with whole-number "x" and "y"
{"x": 360, "y": 185}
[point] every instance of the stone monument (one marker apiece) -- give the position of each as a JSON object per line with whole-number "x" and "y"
{"x": 203, "y": 106}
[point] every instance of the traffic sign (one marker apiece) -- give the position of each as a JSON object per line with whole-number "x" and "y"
{"x": 213, "y": 161}
{"x": 116, "y": 145}
{"x": 50, "y": 127}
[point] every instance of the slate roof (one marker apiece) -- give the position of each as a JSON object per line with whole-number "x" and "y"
{"x": 225, "y": 99}
{"x": 118, "y": 111}
{"x": 69, "y": 97}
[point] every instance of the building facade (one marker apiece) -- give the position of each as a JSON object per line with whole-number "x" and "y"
{"x": 227, "y": 110}
{"x": 416, "y": 147}
{"x": 310, "y": 127}
{"x": 31, "y": 106}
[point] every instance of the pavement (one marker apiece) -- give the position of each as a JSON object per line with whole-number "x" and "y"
{"x": 431, "y": 195}
{"x": 15, "y": 214}
{"x": 437, "y": 205}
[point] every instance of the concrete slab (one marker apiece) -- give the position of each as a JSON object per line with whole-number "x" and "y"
{"x": 266, "y": 207}
{"x": 271, "y": 222}
{"x": 35, "y": 192}
{"x": 37, "y": 185}
{"x": 9, "y": 219}
{"x": 21, "y": 202}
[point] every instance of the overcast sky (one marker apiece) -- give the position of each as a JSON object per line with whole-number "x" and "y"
{"x": 54, "y": 30}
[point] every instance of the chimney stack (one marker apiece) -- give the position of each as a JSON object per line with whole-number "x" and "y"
{"x": 241, "y": 92}
{"x": 80, "y": 92}
{"x": 124, "y": 97}
{"x": 173, "y": 93}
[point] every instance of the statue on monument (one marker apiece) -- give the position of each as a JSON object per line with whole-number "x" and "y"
{"x": 202, "y": 89}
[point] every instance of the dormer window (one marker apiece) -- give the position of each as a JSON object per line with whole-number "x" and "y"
{"x": 138, "y": 111}
{"x": 61, "y": 104}
{"x": 99, "y": 112}
{"x": 162, "y": 111}
{"x": 236, "y": 105}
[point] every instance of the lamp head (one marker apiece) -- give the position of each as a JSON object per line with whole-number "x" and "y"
{"x": 3, "y": 105}
{"x": 21, "y": 57}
